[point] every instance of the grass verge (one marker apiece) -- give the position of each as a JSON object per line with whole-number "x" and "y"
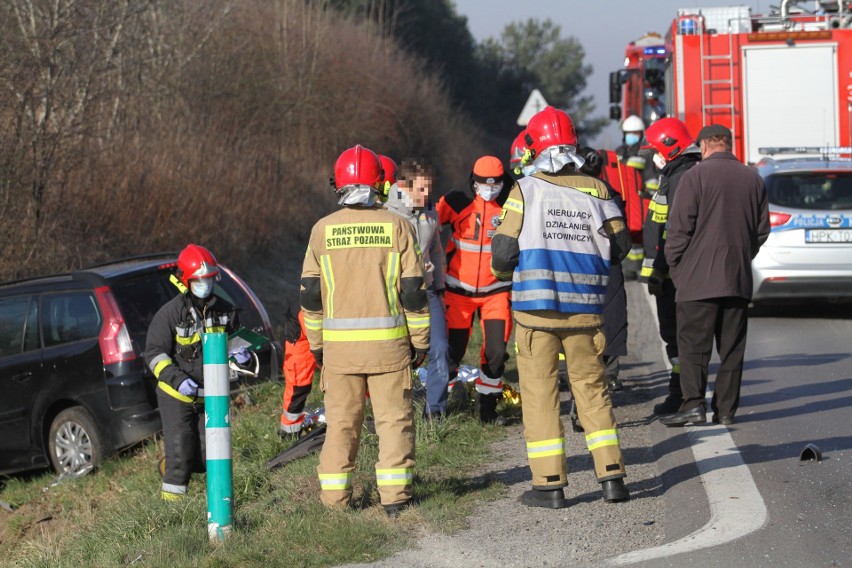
{"x": 114, "y": 517}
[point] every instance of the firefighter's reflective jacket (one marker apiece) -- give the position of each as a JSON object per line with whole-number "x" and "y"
{"x": 557, "y": 237}
{"x": 474, "y": 222}
{"x": 173, "y": 345}
{"x": 654, "y": 231}
{"x": 363, "y": 292}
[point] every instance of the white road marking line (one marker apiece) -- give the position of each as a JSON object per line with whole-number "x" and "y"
{"x": 736, "y": 506}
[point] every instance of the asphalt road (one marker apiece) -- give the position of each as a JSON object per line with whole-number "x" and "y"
{"x": 701, "y": 496}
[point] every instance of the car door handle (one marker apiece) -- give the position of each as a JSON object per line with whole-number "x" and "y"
{"x": 22, "y": 376}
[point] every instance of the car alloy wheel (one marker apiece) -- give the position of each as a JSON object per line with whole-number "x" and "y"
{"x": 75, "y": 442}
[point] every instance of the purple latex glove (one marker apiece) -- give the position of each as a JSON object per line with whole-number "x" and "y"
{"x": 241, "y": 355}
{"x": 188, "y": 387}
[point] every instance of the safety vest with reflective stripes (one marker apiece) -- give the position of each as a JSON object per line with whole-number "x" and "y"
{"x": 564, "y": 252}
{"x": 474, "y": 222}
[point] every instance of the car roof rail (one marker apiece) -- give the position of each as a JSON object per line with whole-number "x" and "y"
{"x": 149, "y": 256}
{"x": 35, "y": 278}
{"x": 822, "y": 152}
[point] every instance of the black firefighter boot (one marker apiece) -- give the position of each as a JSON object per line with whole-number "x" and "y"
{"x": 673, "y": 400}
{"x": 486, "y": 407}
{"x": 547, "y": 498}
{"x": 615, "y": 490}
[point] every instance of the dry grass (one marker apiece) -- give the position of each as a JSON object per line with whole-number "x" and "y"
{"x": 218, "y": 123}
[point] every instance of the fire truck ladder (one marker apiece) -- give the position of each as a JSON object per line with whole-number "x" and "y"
{"x": 708, "y": 106}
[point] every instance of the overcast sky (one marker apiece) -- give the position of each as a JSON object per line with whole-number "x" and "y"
{"x": 603, "y": 27}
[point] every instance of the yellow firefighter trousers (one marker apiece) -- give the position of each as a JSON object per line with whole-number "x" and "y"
{"x": 390, "y": 395}
{"x": 538, "y": 359}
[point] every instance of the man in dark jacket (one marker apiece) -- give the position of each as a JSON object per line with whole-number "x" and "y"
{"x": 674, "y": 154}
{"x": 716, "y": 226}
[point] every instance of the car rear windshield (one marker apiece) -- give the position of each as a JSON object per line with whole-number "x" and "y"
{"x": 811, "y": 190}
{"x": 141, "y": 296}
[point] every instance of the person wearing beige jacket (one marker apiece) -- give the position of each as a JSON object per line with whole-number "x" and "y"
{"x": 367, "y": 320}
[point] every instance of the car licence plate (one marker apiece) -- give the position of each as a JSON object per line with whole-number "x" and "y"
{"x": 829, "y": 236}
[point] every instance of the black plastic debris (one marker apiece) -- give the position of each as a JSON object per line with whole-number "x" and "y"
{"x": 811, "y": 453}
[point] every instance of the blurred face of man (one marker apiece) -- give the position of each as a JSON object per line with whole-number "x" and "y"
{"x": 415, "y": 192}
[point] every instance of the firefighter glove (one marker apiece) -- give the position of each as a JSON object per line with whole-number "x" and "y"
{"x": 418, "y": 356}
{"x": 188, "y": 387}
{"x": 655, "y": 283}
{"x": 317, "y": 357}
{"x": 241, "y": 355}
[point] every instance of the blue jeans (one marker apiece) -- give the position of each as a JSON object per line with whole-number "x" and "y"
{"x": 437, "y": 371}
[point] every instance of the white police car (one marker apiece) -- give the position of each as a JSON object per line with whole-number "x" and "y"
{"x": 809, "y": 251}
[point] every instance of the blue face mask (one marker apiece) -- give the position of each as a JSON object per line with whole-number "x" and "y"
{"x": 631, "y": 139}
{"x": 202, "y": 287}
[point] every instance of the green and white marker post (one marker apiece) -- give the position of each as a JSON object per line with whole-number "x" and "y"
{"x": 217, "y": 398}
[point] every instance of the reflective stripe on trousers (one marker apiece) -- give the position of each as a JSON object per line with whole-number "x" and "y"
{"x": 545, "y": 448}
{"x": 602, "y": 438}
{"x": 335, "y": 481}
{"x": 400, "y": 476}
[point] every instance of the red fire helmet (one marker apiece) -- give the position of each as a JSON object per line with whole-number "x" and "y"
{"x": 550, "y": 127}
{"x": 357, "y": 166}
{"x": 195, "y": 261}
{"x": 668, "y": 136}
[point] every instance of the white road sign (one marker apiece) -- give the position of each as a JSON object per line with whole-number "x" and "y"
{"x": 534, "y": 104}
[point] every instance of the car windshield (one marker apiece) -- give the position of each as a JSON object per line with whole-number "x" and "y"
{"x": 811, "y": 190}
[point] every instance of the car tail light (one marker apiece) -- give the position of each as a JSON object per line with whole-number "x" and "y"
{"x": 114, "y": 338}
{"x": 776, "y": 219}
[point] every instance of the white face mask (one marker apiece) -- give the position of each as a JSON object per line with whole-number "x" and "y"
{"x": 201, "y": 287}
{"x": 488, "y": 191}
{"x": 659, "y": 161}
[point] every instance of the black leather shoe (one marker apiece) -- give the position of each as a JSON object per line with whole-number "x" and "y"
{"x": 615, "y": 490}
{"x": 395, "y": 509}
{"x": 670, "y": 405}
{"x": 693, "y": 416}
{"x": 614, "y": 384}
{"x": 723, "y": 420}
{"x": 551, "y": 499}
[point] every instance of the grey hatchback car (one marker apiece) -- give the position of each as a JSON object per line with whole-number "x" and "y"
{"x": 73, "y": 385}
{"x": 809, "y": 251}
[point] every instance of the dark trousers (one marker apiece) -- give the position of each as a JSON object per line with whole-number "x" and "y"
{"x": 699, "y": 322}
{"x": 183, "y": 438}
{"x": 667, "y": 322}
{"x": 667, "y": 318}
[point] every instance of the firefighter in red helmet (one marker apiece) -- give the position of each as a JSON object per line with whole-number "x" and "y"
{"x": 674, "y": 155}
{"x": 365, "y": 340}
{"x": 471, "y": 288}
{"x": 559, "y": 233}
{"x": 173, "y": 353}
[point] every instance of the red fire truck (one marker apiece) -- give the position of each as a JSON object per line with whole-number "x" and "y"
{"x": 639, "y": 88}
{"x": 777, "y": 80}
